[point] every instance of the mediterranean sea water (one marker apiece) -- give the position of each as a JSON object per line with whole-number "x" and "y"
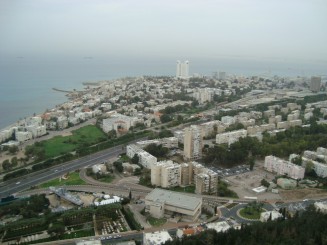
{"x": 26, "y": 82}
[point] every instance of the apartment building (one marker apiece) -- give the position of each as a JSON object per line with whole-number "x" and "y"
{"x": 230, "y": 137}
{"x": 193, "y": 143}
{"x": 166, "y": 174}
{"x": 282, "y": 167}
{"x": 206, "y": 182}
{"x": 145, "y": 158}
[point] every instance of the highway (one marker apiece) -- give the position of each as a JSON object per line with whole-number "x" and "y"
{"x": 25, "y": 182}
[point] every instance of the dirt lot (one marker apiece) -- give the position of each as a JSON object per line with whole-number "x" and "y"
{"x": 243, "y": 184}
{"x": 300, "y": 194}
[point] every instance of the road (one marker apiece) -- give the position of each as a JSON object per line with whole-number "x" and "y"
{"x": 23, "y": 183}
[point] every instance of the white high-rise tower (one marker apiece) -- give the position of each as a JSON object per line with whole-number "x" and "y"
{"x": 182, "y": 69}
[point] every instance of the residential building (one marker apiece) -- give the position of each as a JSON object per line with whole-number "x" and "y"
{"x": 318, "y": 167}
{"x": 156, "y": 238}
{"x": 206, "y": 182}
{"x": 193, "y": 143}
{"x": 166, "y": 174}
{"x": 315, "y": 84}
{"x": 230, "y": 137}
{"x": 270, "y": 215}
{"x": 221, "y": 226}
{"x": 161, "y": 203}
{"x": 186, "y": 174}
{"x": 182, "y": 69}
{"x": 145, "y": 158}
{"x": 188, "y": 231}
{"x": 282, "y": 167}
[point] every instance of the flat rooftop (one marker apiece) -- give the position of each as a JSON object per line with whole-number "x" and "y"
{"x": 174, "y": 198}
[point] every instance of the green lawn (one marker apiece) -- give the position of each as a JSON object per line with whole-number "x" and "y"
{"x": 84, "y": 136}
{"x": 107, "y": 179}
{"x": 188, "y": 189}
{"x": 73, "y": 179}
{"x": 254, "y": 214}
{"x": 156, "y": 222}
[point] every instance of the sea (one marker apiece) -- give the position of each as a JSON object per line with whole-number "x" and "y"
{"x": 26, "y": 82}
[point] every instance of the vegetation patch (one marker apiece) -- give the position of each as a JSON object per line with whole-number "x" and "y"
{"x": 231, "y": 205}
{"x": 223, "y": 190}
{"x": 156, "y": 222}
{"x": 252, "y": 211}
{"x": 72, "y": 179}
{"x": 59, "y": 145}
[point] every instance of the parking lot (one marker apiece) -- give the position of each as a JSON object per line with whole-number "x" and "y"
{"x": 224, "y": 172}
{"x": 242, "y": 181}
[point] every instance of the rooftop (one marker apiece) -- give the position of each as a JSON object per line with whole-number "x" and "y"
{"x": 174, "y": 198}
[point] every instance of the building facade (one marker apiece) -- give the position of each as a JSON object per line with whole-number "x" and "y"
{"x": 192, "y": 143}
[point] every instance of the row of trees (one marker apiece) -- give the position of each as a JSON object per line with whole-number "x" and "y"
{"x": 306, "y": 228}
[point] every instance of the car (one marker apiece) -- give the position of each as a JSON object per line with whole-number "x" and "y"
{"x": 17, "y": 183}
{"x": 119, "y": 236}
{"x": 56, "y": 170}
{"x": 115, "y": 237}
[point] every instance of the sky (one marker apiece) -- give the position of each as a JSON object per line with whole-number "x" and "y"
{"x": 260, "y": 29}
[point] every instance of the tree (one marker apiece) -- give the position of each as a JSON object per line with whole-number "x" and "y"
{"x": 251, "y": 163}
{"x": 112, "y": 134}
{"x": 297, "y": 160}
{"x": 165, "y": 118}
{"x": 309, "y": 168}
{"x": 14, "y": 161}
{"x": 56, "y": 229}
{"x": 265, "y": 183}
{"x": 119, "y": 166}
{"x": 6, "y": 164}
{"x": 135, "y": 159}
{"x": 13, "y": 149}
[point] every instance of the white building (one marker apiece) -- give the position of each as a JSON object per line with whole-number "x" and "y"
{"x": 319, "y": 168}
{"x": 230, "y": 137}
{"x": 156, "y": 238}
{"x": 182, "y": 69}
{"x": 321, "y": 207}
{"x": 265, "y": 216}
{"x": 118, "y": 122}
{"x": 228, "y": 120}
{"x": 221, "y": 226}
{"x": 37, "y": 130}
{"x": 145, "y": 158}
{"x": 282, "y": 167}
{"x": 22, "y": 136}
{"x": 6, "y": 134}
{"x": 193, "y": 143}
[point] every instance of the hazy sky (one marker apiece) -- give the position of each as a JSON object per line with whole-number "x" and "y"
{"x": 281, "y": 29}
